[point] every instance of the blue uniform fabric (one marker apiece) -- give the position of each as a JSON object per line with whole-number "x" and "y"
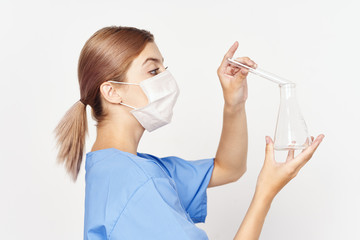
{"x": 142, "y": 196}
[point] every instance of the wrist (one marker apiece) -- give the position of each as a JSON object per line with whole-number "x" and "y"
{"x": 231, "y": 108}
{"x": 264, "y": 197}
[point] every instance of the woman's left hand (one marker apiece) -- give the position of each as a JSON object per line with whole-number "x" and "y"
{"x": 233, "y": 78}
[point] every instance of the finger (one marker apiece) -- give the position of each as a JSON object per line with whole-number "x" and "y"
{"x": 308, "y": 152}
{"x": 231, "y": 51}
{"x": 290, "y": 155}
{"x": 247, "y": 61}
{"x": 269, "y": 150}
{"x": 306, "y": 144}
{"x": 243, "y": 72}
{"x": 306, "y": 155}
{"x": 240, "y": 74}
{"x": 229, "y": 54}
{"x": 314, "y": 145}
{"x": 291, "y": 152}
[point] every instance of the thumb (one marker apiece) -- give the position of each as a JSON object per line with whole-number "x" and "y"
{"x": 269, "y": 151}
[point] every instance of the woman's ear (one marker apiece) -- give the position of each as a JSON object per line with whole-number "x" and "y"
{"x": 108, "y": 91}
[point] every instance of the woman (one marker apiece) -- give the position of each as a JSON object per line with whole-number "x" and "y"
{"x": 132, "y": 195}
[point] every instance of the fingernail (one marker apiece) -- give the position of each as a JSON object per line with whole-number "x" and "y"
{"x": 267, "y": 140}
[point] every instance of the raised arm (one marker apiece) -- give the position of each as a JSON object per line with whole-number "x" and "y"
{"x": 272, "y": 178}
{"x": 231, "y": 155}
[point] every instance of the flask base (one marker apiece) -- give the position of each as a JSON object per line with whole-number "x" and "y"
{"x": 290, "y": 147}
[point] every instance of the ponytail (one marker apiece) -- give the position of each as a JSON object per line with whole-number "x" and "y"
{"x": 70, "y": 136}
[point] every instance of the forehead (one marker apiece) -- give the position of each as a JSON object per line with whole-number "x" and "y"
{"x": 150, "y": 51}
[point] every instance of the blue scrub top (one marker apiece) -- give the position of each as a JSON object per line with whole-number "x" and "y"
{"x": 142, "y": 196}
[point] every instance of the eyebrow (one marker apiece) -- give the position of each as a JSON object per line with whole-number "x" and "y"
{"x": 153, "y": 59}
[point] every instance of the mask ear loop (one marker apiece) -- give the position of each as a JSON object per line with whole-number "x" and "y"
{"x": 127, "y": 105}
{"x": 127, "y": 84}
{"x": 124, "y": 82}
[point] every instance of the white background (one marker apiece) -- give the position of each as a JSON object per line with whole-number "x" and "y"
{"x": 313, "y": 43}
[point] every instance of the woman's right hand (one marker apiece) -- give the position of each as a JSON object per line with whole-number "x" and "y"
{"x": 275, "y": 175}
{"x": 272, "y": 178}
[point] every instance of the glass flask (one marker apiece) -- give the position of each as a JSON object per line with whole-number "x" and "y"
{"x": 291, "y": 131}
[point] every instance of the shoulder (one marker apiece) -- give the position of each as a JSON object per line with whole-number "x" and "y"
{"x": 111, "y": 164}
{"x": 175, "y": 164}
{"x": 121, "y": 172}
{"x": 168, "y": 162}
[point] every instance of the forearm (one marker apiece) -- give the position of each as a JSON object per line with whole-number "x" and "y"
{"x": 233, "y": 145}
{"x": 253, "y": 222}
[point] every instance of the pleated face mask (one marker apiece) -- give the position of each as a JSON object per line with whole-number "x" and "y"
{"x": 162, "y": 92}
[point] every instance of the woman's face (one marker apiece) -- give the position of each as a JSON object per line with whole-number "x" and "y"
{"x": 148, "y": 64}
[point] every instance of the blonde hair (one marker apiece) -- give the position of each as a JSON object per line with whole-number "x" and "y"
{"x": 106, "y": 55}
{"x": 70, "y": 134}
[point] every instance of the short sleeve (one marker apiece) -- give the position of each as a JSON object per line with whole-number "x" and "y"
{"x": 154, "y": 212}
{"x": 192, "y": 179}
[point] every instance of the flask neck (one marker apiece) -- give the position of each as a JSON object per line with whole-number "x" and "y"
{"x": 287, "y": 91}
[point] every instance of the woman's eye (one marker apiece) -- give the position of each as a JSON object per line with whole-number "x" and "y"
{"x": 154, "y": 71}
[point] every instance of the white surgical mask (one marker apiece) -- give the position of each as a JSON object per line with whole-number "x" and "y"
{"x": 162, "y": 93}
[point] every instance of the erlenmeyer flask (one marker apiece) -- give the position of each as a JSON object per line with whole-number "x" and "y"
{"x": 291, "y": 131}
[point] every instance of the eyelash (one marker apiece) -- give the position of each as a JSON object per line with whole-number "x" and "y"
{"x": 155, "y": 70}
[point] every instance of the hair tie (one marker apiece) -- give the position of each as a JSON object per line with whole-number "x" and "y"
{"x": 82, "y": 101}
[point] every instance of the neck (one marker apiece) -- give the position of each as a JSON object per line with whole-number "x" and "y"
{"x": 118, "y": 134}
